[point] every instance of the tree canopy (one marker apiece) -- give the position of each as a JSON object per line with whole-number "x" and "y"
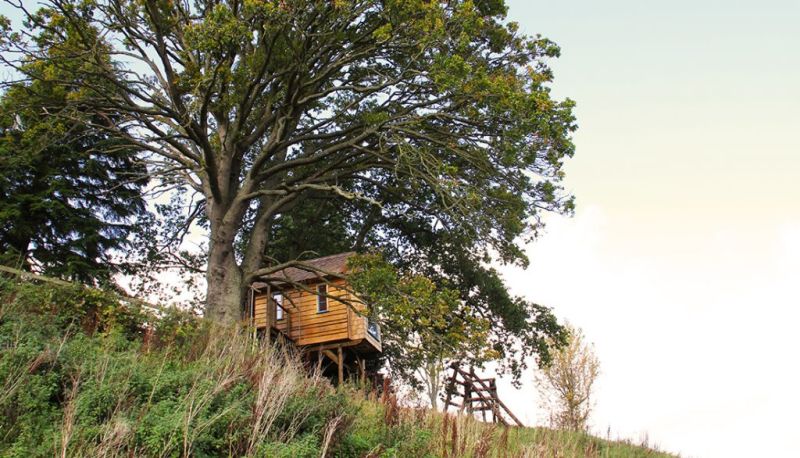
{"x": 423, "y": 129}
{"x": 424, "y": 325}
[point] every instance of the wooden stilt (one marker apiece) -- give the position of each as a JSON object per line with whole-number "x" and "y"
{"x": 468, "y": 389}
{"x": 268, "y": 311}
{"x": 362, "y": 370}
{"x": 467, "y": 395}
{"x": 340, "y": 364}
{"x": 331, "y": 355}
{"x": 451, "y": 386}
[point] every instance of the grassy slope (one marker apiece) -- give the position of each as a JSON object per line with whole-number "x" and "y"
{"x": 465, "y": 436}
{"x": 79, "y": 376}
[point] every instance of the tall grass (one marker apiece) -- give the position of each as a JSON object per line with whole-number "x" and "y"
{"x": 80, "y": 380}
{"x": 82, "y": 375}
{"x": 427, "y": 433}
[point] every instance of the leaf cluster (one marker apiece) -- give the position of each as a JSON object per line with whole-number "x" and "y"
{"x": 421, "y": 323}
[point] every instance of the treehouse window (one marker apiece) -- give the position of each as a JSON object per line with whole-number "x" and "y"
{"x": 374, "y": 330}
{"x": 278, "y": 299}
{"x": 322, "y": 298}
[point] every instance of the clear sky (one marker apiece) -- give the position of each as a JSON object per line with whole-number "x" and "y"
{"x": 682, "y": 263}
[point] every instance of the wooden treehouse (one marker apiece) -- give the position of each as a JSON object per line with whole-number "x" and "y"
{"x": 315, "y": 309}
{"x": 466, "y": 391}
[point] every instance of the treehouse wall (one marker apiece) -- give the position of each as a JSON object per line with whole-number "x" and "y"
{"x": 308, "y": 325}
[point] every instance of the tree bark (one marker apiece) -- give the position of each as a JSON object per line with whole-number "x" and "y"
{"x": 226, "y": 293}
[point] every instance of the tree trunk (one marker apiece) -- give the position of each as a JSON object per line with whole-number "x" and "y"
{"x": 226, "y": 294}
{"x": 433, "y": 381}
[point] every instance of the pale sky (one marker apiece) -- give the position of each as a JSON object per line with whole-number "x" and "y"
{"x": 682, "y": 263}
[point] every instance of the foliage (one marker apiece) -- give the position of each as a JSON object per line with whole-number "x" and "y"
{"x": 567, "y": 383}
{"x": 111, "y": 389}
{"x": 70, "y": 192}
{"x": 425, "y": 123}
{"x": 81, "y": 373}
{"x": 422, "y": 326}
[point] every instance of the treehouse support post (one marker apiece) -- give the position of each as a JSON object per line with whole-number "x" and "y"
{"x": 270, "y": 305}
{"x": 340, "y": 362}
{"x": 362, "y": 370}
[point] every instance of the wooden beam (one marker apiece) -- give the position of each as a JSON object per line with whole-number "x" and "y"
{"x": 331, "y": 355}
{"x": 496, "y": 399}
{"x": 362, "y": 370}
{"x": 288, "y": 317}
{"x": 510, "y": 414}
{"x": 268, "y": 309}
{"x": 341, "y": 365}
{"x": 451, "y": 386}
{"x": 487, "y": 401}
{"x": 477, "y": 379}
{"x": 483, "y": 409}
{"x": 467, "y": 394}
{"x": 474, "y": 388}
{"x": 332, "y": 346}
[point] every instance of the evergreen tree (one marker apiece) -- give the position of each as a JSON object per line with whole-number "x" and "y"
{"x": 70, "y": 194}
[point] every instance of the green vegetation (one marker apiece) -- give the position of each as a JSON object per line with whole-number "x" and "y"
{"x": 70, "y": 194}
{"x": 84, "y": 375}
{"x": 426, "y": 129}
{"x": 424, "y": 327}
{"x": 263, "y": 133}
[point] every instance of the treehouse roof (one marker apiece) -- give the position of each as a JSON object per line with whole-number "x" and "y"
{"x": 318, "y": 268}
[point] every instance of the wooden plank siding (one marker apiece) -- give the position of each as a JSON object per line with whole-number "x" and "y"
{"x": 308, "y": 326}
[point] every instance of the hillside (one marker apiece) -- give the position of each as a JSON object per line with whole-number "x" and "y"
{"x": 81, "y": 376}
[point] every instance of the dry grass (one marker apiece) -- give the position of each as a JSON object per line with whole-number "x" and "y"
{"x": 205, "y": 391}
{"x": 454, "y": 436}
{"x": 229, "y": 358}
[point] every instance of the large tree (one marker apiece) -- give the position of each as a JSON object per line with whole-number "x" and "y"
{"x": 70, "y": 194}
{"x": 433, "y": 114}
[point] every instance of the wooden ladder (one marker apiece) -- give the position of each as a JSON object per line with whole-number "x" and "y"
{"x": 477, "y": 395}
